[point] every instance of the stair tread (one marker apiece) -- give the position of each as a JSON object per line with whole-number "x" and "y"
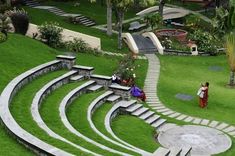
{"x": 152, "y": 119}
{"x": 95, "y": 87}
{"x": 140, "y": 111}
{"x": 77, "y": 78}
{"x": 113, "y": 98}
{"x": 146, "y": 115}
{"x": 158, "y": 123}
{"x": 133, "y": 107}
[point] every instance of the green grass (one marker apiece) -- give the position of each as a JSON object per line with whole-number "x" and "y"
{"x": 77, "y": 113}
{"x": 184, "y": 75}
{"x": 135, "y": 131}
{"x": 50, "y": 114}
{"x": 108, "y": 43}
{"x": 20, "y": 109}
{"x": 98, "y": 118}
{"x": 87, "y": 8}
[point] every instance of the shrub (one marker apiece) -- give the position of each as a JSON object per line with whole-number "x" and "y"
{"x": 20, "y": 20}
{"x": 4, "y": 7}
{"x": 51, "y": 34}
{"x": 4, "y": 24}
{"x": 77, "y": 45}
{"x": 205, "y": 41}
{"x": 3, "y": 37}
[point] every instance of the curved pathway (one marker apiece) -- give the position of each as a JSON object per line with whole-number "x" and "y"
{"x": 150, "y": 87}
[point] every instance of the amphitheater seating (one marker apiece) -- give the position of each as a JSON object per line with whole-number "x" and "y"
{"x": 7, "y": 119}
{"x": 118, "y": 95}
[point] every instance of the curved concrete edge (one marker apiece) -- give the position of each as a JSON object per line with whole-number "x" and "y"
{"x": 108, "y": 119}
{"x": 67, "y": 101}
{"x": 30, "y": 141}
{"x": 130, "y": 42}
{"x": 152, "y": 80}
{"x": 91, "y": 109}
{"x": 38, "y": 98}
{"x": 155, "y": 41}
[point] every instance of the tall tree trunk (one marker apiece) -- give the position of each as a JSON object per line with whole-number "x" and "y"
{"x": 161, "y": 6}
{"x": 109, "y": 18}
{"x": 120, "y": 20}
{"x": 231, "y": 81}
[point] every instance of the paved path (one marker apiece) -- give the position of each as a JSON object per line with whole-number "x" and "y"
{"x": 153, "y": 101}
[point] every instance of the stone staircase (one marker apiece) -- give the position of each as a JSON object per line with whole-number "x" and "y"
{"x": 81, "y": 19}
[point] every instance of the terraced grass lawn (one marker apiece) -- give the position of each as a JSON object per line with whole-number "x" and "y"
{"x": 135, "y": 131}
{"x": 20, "y": 109}
{"x": 98, "y": 118}
{"x": 50, "y": 114}
{"x": 77, "y": 113}
{"x": 184, "y": 75}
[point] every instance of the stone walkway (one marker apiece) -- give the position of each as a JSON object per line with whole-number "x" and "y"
{"x": 153, "y": 101}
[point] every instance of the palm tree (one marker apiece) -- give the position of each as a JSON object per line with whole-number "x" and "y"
{"x": 230, "y": 45}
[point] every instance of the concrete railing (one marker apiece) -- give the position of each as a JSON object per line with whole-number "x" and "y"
{"x": 155, "y": 41}
{"x": 130, "y": 42}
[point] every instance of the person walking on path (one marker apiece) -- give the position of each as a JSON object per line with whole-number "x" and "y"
{"x": 203, "y": 95}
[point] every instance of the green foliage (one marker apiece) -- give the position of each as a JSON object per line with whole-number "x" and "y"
{"x": 77, "y": 45}
{"x": 3, "y": 37}
{"x": 230, "y": 50}
{"x": 153, "y": 20}
{"x": 205, "y": 41}
{"x": 20, "y": 20}
{"x": 51, "y": 34}
{"x": 4, "y": 23}
{"x": 192, "y": 22}
{"x": 4, "y": 7}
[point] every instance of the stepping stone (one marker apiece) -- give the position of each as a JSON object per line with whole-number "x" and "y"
{"x": 158, "y": 107}
{"x": 161, "y": 152}
{"x": 205, "y": 122}
{"x": 181, "y": 117}
{"x": 174, "y": 151}
{"x": 197, "y": 120}
{"x": 140, "y": 111}
{"x": 232, "y": 133}
{"x": 168, "y": 112}
{"x": 222, "y": 126}
{"x": 95, "y": 88}
{"x": 174, "y": 115}
{"x": 229, "y": 129}
{"x": 188, "y": 119}
{"x": 162, "y": 110}
{"x": 113, "y": 98}
{"x": 134, "y": 107}
{"x": 146, "y": 115}
{"x": 213, "y": 124}
{"x": 158, "y": 123}
{"x": 152, "y": 119}
{"x": 77, "y": 78}
{"x": 151, "y": 102}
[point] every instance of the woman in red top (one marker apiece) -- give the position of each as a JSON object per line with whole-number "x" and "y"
{"x": 203, "y": 101}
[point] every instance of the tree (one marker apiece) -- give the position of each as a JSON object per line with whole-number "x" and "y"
{"x": 161, "y": 6}
{"x": 153, "y": 20}
{"x": 109, "y": 17}
{"x": 230, "y": 52}
{"x": 121, "y": 7}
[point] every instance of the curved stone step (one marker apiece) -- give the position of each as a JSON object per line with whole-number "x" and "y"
{"x": 40, "y": 95}
{"x": 112, "y": 114}
{"x": 67, "y": 100}
{"x": 9, "y": 122}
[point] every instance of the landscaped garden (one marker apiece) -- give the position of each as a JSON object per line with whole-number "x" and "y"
{"x": 105, "y": 116}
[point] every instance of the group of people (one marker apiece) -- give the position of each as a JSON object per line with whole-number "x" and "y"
{"x": 135, "y": 91}
{"x": 203, "y": 95}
